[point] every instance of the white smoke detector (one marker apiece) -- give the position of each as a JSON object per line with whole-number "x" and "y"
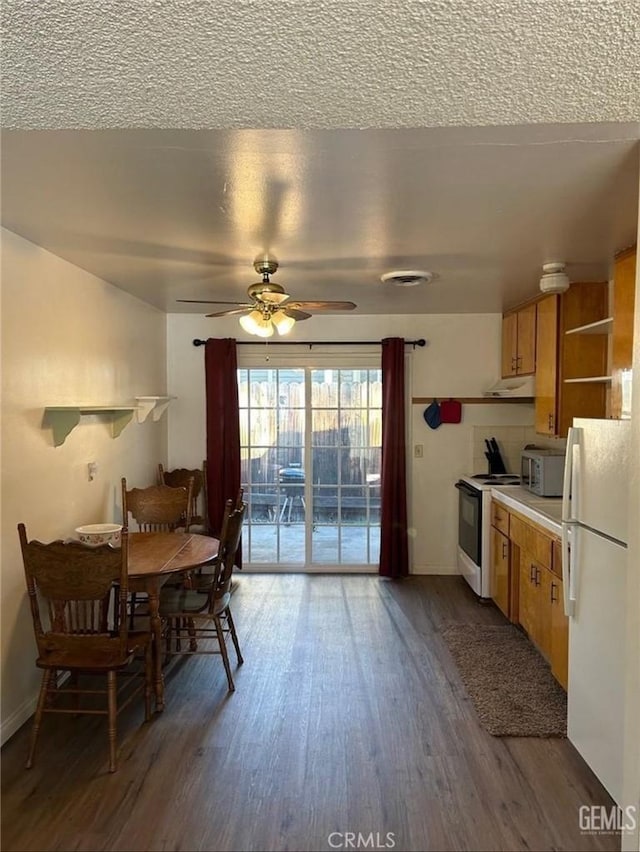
{"x": 554, "y": 278}
{"x": 407, "y": 277}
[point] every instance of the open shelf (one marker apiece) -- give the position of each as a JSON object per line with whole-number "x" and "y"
{"x": 603, "y": 326}
{"x": 592, "y": 379}
{"x": 154, "y": 405}
{"x": 64, "y": 418}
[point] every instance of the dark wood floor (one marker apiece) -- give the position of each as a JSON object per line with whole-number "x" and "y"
{"x": 349, "y": 716}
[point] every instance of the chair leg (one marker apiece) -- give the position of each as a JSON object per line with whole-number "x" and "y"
{"x": 74, "y": 680}
{"x": 132, "y": 611}
{"x": 148, "y": 680}
{"x": 234, "y": 637}
{"x": 111, "y": 692}
{"x": 223, "y": 651}
{"x": 37, "y": 721}
{"x": 167, "y": 645}
{"x": 191, "y": 629}
{"x": 51, "y": 694}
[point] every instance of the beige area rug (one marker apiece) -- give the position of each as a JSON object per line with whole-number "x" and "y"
{"x": 510, "y": 684}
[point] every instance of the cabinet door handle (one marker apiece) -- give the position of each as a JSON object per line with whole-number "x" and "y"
{"x": 532, "y": 573}
{"x": 551, "y": 422}
{"x": 504, "y": 549}
{"x": 553, "y": 598}
{"x": 537, "y": 576}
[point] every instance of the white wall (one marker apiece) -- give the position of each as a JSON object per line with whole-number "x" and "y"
{"x": 67, "y": 337}
{"x": 461, "y": 359}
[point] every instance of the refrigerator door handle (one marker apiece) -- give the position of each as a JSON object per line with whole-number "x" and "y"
{"x": 568, "y": 570}
{"x": 573, "y": 440}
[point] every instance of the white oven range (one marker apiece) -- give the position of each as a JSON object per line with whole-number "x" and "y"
{"x": 474, "y": 527}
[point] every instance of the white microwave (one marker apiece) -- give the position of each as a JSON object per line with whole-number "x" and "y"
{"x": 542, "y": 472}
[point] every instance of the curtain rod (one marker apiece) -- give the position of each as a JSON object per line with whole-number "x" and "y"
{"x": 310, "y": 343}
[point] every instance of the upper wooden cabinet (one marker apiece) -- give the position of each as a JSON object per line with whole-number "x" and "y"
{"x": 624, "y": 286}
{"x": 571, "y": 345}
{"x": 547, "y": 365}
{"x": 519, "y": 342}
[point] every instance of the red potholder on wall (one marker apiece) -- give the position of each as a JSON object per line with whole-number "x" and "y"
{"x": 451, "y": 411}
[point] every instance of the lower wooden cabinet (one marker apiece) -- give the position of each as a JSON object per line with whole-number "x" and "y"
{"x": 559, "y": 633}
{"x": 500, "y": 575}
{"x": 534, "y": 610}
{"x": 526, "y": 584}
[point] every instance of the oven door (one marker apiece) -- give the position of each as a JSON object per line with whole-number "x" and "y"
{"x": 470, "y": 521}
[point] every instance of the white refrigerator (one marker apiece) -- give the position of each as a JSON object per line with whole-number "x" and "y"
{"x": 594, "y": 539}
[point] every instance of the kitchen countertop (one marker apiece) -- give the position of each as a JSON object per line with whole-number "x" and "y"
{"x": 545, "y": 511}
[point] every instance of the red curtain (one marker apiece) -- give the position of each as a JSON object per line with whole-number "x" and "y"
{"x": 394, "y": 548}
{"x": 223, "y": 427}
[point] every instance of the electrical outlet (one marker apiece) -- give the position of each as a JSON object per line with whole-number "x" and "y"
{"x": 418, "y": 451}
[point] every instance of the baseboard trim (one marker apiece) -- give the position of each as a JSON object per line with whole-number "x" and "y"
{"x": 24, "y": 712}
{"x": 17, "y": 719}
{"x": 435, "y": 569}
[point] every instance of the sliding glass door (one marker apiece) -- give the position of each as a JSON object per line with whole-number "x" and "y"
{"x": 310, "y": 445}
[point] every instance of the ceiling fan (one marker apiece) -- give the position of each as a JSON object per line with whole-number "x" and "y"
{"x": 266, "y": 309}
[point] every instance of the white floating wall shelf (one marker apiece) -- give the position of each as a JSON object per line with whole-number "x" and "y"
{"x": 154, "y": 405}
{"x": 64, "y": 418}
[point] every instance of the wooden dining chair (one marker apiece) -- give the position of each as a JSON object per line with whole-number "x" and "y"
{"x": 73, "y": 599}
{"x": 158, "y": 508}
{"x": 203, "y": 577}
{"x": 179, "y": 477}
{"x": 207, "y": 616}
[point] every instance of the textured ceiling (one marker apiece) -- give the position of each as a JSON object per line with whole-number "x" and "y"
{"x": 164, "y": 144}
{"x": 182, "y": 214}
{"x": 318, "y": 63}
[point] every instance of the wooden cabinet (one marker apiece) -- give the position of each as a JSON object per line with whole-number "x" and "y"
{"x": 571, "y": 359}
{"x": 531, "y": 540}
{"x": 499, "y": 517}
{"x": 559, "y": 651}
{"x": 547, "y": 365}
{"x": 534, "y": 609}
{"x": 526, "y": 583}
{"x": 500, "y": 571}
{"x": 519, "y": 342}
{"x": 624, "y": 286}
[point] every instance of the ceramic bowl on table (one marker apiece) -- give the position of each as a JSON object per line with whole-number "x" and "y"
{"x": 94, "y": 535}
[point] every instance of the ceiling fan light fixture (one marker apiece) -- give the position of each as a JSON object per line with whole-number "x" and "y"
{"x": 254, "y": 322}
{"x": 264, "y": 328}
{"x": 282, "y": 322}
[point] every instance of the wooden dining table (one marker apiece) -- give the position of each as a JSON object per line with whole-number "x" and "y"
{"x": 152, "y": 559}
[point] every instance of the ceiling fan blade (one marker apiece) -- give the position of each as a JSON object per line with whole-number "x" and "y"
{"x": 323, "y": 306}
{"x": 213, "y": 302}
{"x": 295, "y": 314}
{"x": 230, "y": 313}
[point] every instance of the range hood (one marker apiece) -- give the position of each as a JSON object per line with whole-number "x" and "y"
{"x": 518, "y": 386}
